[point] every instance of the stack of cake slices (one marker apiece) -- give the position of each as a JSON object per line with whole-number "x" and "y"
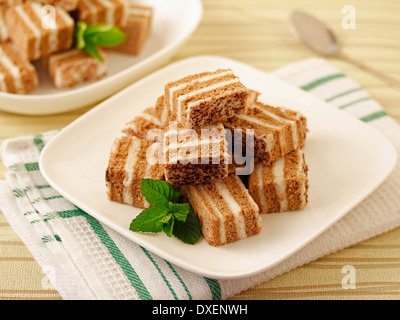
{"x": 40, "y": 34}
{"x": 231, "y": 156}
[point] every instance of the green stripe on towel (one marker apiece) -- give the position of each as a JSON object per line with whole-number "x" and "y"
{"x": 374, "y": 116}
{"x": 323, "y": 80}
{"x": 354, "y": 102}
{"x": 215, "y": 288}
{"x": 342, "y": 94}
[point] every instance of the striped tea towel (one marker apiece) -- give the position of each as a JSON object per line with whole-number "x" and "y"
{"x": 85, "y": 259}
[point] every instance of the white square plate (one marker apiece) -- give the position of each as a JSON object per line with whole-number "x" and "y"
{"x": 347, "y": 160}
{"x": 173, "y": 22}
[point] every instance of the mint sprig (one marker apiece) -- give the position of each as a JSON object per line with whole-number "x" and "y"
{"x": 89, "y": 37}
{"x": 167, "y": 213}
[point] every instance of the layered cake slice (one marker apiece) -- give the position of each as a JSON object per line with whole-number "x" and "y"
{"x": 101, "y": 11}
{"x": 72, "y": 67}
{"x": 225, "y": 210}
{"x": 17, "y": 75}
{"x": 282, "y": 185}
{"x": 140, "y": 125}
{"x": 276, "y": 131}
{"x": 195, "y": 156}
{"x": 127, "y": 166}
{"x": 135, "y": 24}
{"x": 205, "y": 98}
{"x": 34, "y": 38}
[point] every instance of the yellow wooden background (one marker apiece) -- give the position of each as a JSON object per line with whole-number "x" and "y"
{"x": 256, "y": 32}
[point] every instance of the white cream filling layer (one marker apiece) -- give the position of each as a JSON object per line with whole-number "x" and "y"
{"x": 278, "y": 170}
{"x": 129, "y": 169}
{"x": 93, "y": 10}
{"x": 303, "y": 185}
{"x": 3, "y": 27}
{"x": 3, "y": 86}
{"x": 53, "y": 35}
{"x": 221, "y": 229}
{"x": 150, "y": 118}
{"x": 235, "y": 209}
{"x": 110, "y": 12}
{"x": 261, "y": 191}
{"x": 138, "y": 11}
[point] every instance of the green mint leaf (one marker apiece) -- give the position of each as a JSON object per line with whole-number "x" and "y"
{"x": 158, "y": 192}
{"x": 80, "y": 35}
{"x": 90, "y": 37}
{"x": 92, "y": 50}
{"x": 188, "y": 231}
{"x": 168, "y": 227}
{"x": 179, "y": 210}
{"x": 149, "y": 220}
{"x": 104, "y": 35}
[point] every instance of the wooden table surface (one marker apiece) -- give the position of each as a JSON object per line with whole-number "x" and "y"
{"x": 256, "y": 32}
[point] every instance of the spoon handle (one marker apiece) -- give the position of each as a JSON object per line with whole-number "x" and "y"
{"x": 387, "y": 79}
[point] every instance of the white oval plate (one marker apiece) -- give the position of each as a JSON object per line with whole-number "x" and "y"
{"x": 173, "y": 22}
{"x": 347, "y": 160}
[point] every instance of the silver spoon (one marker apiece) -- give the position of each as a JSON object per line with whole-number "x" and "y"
{"x": 317, "y": 36}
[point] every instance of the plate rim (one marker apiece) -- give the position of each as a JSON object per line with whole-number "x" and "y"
{"x": 167, "y": 51}
{"x": 375, "y": 184}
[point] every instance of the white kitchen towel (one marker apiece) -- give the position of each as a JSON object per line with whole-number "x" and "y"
{"x": 85, "y": 259}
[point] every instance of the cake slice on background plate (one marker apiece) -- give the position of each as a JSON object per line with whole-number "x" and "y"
{"x": 72, "y": 67}
{"x": 17, "y": 75}
{"x": 136, "y": 24}
{"x": 32, "y": 38}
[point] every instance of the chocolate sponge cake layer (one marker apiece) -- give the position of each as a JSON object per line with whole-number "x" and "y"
{"x": 17, "y": 75}
{"x": 281, "y": 186}
{"x": 205, "y": 98}
{"x": 127, "y": 166}
{"x": 276, "y": 131}
{"x": 225, "y": 210}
